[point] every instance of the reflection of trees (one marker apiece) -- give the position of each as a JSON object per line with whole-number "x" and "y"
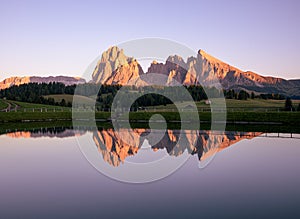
{"x": 57, "y": 132}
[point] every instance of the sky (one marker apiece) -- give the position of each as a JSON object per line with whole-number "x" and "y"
{"x": 63, "y": 37}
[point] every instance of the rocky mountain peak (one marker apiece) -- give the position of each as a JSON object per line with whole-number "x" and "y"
{"x": 178, "y": 60}
{"x": 114, "y": 55}
{"x": 115, "y": 67}
{"x": 209, "y": 58}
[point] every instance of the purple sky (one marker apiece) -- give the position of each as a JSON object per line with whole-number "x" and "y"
{"x": 63, "y": 37}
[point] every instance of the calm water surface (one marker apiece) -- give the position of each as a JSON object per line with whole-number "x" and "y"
{"x": 45, "y": 175}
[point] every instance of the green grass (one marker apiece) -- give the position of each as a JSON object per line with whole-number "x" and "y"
{"x": 292, "y": 118}
{"x": 236, "y": 121}
{"x": 280, "y": 120}
{"x": 235, "y": 105}
{"x": 3, "y": 104}
{"x": 232, "y": 104}
{"x": 21, "y": 116}
{"x": 69, "y": 98}
{"x": 253, "y": 103}
{"x": 25, "y": 105}
{"x": 28, "y": 126}
{"x": 33, "y": 126}
{"x": 59, "y": 97}
{"x": 34, "y": 116}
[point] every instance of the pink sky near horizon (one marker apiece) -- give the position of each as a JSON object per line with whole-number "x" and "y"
{"x": 45, "y": 38}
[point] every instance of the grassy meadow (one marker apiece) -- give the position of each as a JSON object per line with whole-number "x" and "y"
{"x": 3, "y": 104}
{"x": 69, "y": 98}
{"x": 236, "y": 105}
{"x": 246, "y": 112}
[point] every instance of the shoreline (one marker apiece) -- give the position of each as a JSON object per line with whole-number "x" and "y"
{"x": 245, "y": 118}
{"x": 7, "y": 127}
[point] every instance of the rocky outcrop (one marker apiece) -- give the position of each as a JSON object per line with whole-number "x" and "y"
{"x": 34, "y": 79}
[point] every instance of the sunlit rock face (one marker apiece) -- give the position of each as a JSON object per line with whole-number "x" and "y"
{"x": 115, "y": 147}
{"x": 34, "y": 79}
{"x": 115, "y": 67}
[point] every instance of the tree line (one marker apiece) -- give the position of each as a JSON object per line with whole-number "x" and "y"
{"x": 37, "y": 93}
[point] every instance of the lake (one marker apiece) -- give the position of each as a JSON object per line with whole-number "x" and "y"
{"x": 51, "y": 173}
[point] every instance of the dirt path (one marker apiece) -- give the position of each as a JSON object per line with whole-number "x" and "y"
{"x": 7, "y": 108}
{"x": 10, "y": 107}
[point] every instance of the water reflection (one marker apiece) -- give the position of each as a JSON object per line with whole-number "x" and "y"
{"x": 115, "y": 149}
{"x": 49, "y": 176}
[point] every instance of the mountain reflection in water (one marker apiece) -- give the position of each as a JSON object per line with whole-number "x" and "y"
{"x": 203, "y": 143}
{"x": 116, "y": 146}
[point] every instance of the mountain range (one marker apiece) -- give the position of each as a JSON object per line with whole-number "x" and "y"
{"x": 115, "y": 67}
{"x": 8, "y": 82}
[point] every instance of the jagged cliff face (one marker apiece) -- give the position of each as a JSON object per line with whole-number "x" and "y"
{"x": 207, "y": 70}
{"x": 34, "y": 79}
{"x": 115, "y": 149}
{"x": 115, "y": 67}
